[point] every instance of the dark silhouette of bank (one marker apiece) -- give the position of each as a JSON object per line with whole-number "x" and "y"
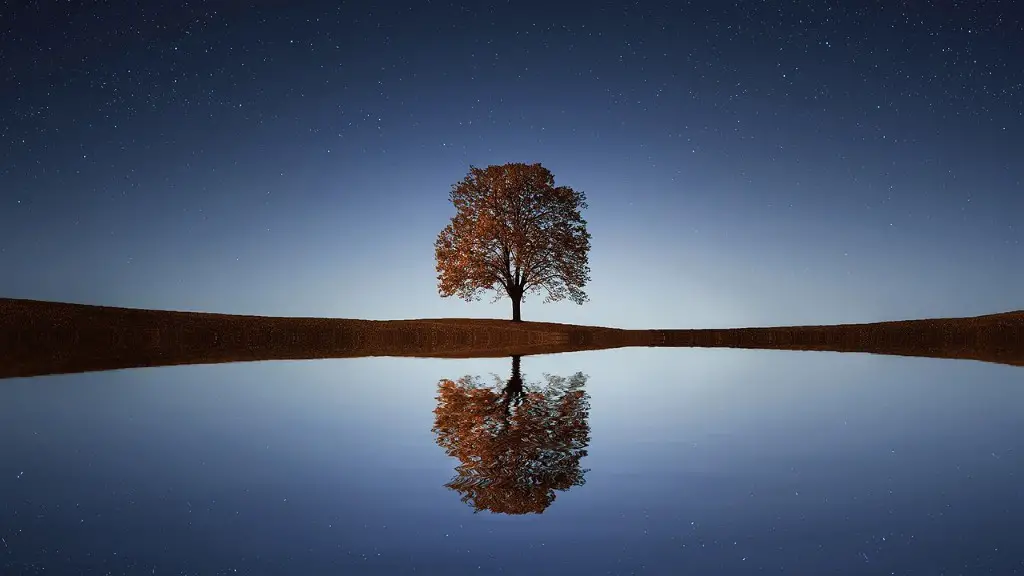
{"x": 39, "y": 338}
{"x": 514, "y": 232}
{"x": 518, "y": 445}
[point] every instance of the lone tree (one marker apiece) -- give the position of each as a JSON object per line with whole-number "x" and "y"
{"x": 514, "y": 232}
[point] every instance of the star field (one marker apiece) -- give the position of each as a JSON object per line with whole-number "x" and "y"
{"x": 769, "y": 161}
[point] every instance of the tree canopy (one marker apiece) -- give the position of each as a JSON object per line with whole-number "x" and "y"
{"x": 516, "y": 446}
{"x": 514, "y": 232}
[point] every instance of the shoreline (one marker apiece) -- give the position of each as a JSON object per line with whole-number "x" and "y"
{"x": 41, "y": 338}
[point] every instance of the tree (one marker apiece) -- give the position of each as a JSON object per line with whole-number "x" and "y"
{"x": 514, "y": 232}
{"x": 516, "y": 447}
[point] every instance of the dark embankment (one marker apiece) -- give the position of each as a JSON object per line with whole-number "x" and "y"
{"x": 38, "y": 338}
{"x": 993, "y": 338}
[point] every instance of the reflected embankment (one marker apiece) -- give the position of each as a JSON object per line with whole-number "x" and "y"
{"x": 517, "y": 443}
{"x": 40, "y": 338}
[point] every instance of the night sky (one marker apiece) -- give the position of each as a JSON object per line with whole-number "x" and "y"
{"x": 745, "y": 163}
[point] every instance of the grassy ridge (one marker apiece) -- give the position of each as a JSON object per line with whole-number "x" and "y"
{"x": 38, "y": 338}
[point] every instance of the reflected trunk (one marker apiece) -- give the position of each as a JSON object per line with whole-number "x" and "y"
{"x": 513, "y": 391}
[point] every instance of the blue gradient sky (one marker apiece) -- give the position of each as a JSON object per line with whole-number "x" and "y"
{"x": 746, "y": 163}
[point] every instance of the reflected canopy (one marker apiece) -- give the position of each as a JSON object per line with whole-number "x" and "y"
{"x": 517, "y": 443}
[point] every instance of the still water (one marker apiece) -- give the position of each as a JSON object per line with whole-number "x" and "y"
{"x": 633, "y": 461}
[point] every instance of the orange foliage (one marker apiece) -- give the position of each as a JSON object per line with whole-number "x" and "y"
{"x": 515, "y": 450}
{"x": 514, "y": 232}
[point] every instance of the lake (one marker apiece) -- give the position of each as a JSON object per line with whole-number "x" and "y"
{"x": 640, "y": 461}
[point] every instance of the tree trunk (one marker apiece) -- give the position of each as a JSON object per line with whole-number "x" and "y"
{"x": 517, "y": 302}
{"x": 513, "y": 392}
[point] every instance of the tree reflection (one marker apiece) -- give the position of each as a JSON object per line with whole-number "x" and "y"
{"x": 516, "y": 446}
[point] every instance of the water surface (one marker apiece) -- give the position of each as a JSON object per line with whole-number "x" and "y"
{"x": 681, "y": 461}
